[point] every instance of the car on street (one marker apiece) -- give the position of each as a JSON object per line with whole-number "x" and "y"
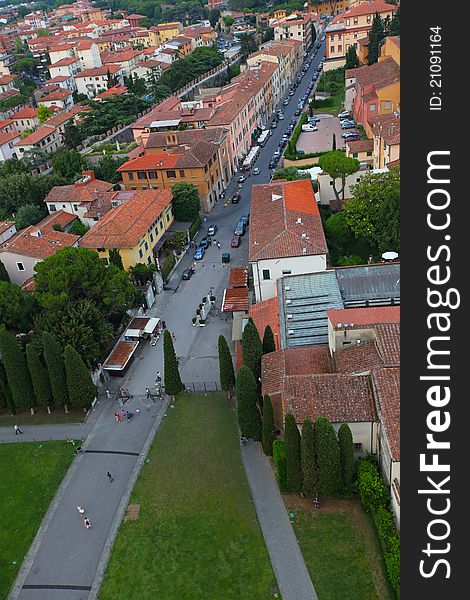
{"x": 281, "y": 117}
{"x": 347, "y": 125}
{"x": 245, "y": 218}
{"x": 314, "y": 78}
{"x": 235, "y": 241}
{"x": 309, "y": 127}
{"x": 199, "y": 254}
{"x": 297, "y": 112}
{"x": 344, "y": 114}
{"x": 291, "y": 93}
{"x": 286, "y": 101}
{"x": 212, "y": 229}
{"x": 240, "y": 228}
{"x": 241, "y": 178}
{"x": 272, "y": 164}
{"x": 274, "y": 125}
{"x": 187, "y": 274}
{"x": 256, "y": 171}
{"x": 349, "y": 135}
{"x": 236, "y": 198}
{"x": 204, "y": 243}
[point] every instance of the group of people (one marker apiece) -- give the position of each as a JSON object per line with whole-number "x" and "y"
{"x": 86, "y": 520}
{"x": 123, "y": 415}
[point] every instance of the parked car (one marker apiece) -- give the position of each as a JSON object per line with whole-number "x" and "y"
{"x": 199, "y": 254}
{"x": 235, "y": 241}
{"x": 300, "y": 151}
{"x": 205, "y": 243}
{"x": 272, "y": 164}
{"x": 314, "y": 78}
{"x": 212, "y": 229}
{"x": 297, "y": 112}
{"x": 309, "y": 127}
{"x": 347, "y": 125}
{"x": 291, "y": 93}
{"x": 240, "y": 228}
{"x": 256, "y": 171}
{"x": 344, "y": 114}
{"x": 187, "y": 274}
{"x": 241, "y": 178}
{"x": 236, "y": 198}
{"x": 347, "y": 135}
{"x": 245, "y": 218}
{"x": 274, "y": 125}
{"x": 286, "y": 101}
{"x": 281, "y": 117}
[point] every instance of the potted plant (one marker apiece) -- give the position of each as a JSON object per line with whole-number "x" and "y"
{"x": 198, "y": 312}
{"x": 212, "y": 299}
{"x": 194, "y": 319}
{"x": 204, "y": 300}
{"x": 200, "y": 306}
{"x": 202, "y": 322}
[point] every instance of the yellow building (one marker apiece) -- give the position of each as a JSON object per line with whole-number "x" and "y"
{"x": 164, "y": 31}
{"x": 391, "y": 48}
{"x": 203, "y": 164}
{"x": 133, "y": 228}
{"x": 386, "y": 131}
{"x": 329, "y": 7}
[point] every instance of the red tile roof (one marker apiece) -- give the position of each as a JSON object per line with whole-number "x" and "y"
{"x": 387, "y": 127}
{"x": 8, "y": 136}
{"x": 4, "y": 225}
{"x": 26, "y": 113}
{"x": 60, "y": 94}
{"x": 150, "y": 161}
{"x": 354, "y": 317}
{"x": 388, "y": 343}
{"x": 386, "y": 385}
{"x": 27, "y": 243}
{"x": 124, "y": 226}
{"x": 36, "y": 136}
{"x": 369, "y": 8}
{"x": 235, "y": 299}
{"x": 238, "y": 277}
{"x": 266, "y": 313}
{"x": 98, "y": 71}
{"x": 284, "y": 220}
{"x": 358, "y": 359}
{"x": 380, "y": 75}
{"x": 63, "y": 62}
{"x": 115, "y": 90}
{"x": 78, "y": 192}
{"x": 361, "y": 145}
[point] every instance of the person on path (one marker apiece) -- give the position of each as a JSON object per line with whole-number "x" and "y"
{"x": 205, "y": 220}
{"x": 159, "y": 377}
{"x": 87, "y": 522}
{"x": 218, "y": 245}
{"x": 123, "y": 414}
{"x": 163, "y": 325}
{"x": 110, "y": 477}
{"x": 81, "y": 511}
{"x": 147, "y": 393}
{"x": 17, "y": 430}
{"x": 128, "y": 415}
{"x": 108, "y": 393}
{"x": 118, "y": 417}
{"x": 173, "y": 336}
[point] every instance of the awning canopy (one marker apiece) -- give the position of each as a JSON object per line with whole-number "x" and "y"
{"x": 168, "y": 123}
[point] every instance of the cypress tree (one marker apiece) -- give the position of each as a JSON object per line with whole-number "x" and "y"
{"x": 279, "y": 457}
{"x": 17, "y": 372}
{"x": 56, "y": 369}
{"x": 376, "y": 35}
{"x": 4, "y": 273}
{"x": 172, "y": 379}
{"x": 226, "y": 371}
{"x": 346, "y": 453}
{"x": 268, "y": 340}
{"x": 328, "y": 461}
{"x": 293, "y": 466}
{"x": 252, "y": 349}
{"x": 249, "y": 418}
{"x": 5, "y": 392}
{"x": 268, "y": 426}
{"x": 352, "y": 61}
{"x": 80, "y": 386}
{"x": 334, "y": 142}
{"x": 39, "y": 377}
{"x": 308, "y": 458}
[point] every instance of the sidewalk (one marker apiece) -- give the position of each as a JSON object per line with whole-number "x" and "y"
{"x": 286, "y": 558}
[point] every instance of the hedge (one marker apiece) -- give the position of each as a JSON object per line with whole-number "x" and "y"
{"x": 167, "y": 266}
{"x": 195, "y": 228}
{"x": 279, "y": 456}
{"x": 372, "y": 490}
{"x": 323, "y": 102}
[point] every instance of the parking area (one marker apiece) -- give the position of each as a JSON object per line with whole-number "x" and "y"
{"x": 322, "y": 140}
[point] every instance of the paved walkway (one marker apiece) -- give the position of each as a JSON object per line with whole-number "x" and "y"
{"x": 286, "y": 558}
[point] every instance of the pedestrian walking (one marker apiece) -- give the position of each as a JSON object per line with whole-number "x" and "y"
{"x": 215, "y": 242}
{"x": 123, "y": 414}
{"x": 147, "y": 393}
{"x": 173, "y": 336}
{"x": 159, "y": 377}
{"x": 218, "y": 245}
{"x": 81, "y": 511}
{"x": 164, "y": 324}
{"x": 116, "y": 417}
{"x": 205, "y": 220}
{"x": 87, "y": 522}
{"x": 108, "y": 393}
{"x": 128, "y": 415}
{"x": 17, "y": 430}
{"x": 110, "y": 477}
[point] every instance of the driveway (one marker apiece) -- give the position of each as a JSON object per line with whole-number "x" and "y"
{"x": 322, "y": 140}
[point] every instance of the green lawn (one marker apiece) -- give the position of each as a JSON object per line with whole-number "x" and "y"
{"x": 197, "y": 535}
{"x": 30, "y": 474}
{"x": 342, "y": 555}
{"x": 41, "y": 417}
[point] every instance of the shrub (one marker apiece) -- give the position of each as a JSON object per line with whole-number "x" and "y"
{"x": 392, "y": 564}
{"x": 279, "y": 456}
{"x": 372, "y": 490}
{"x": 293, "y": 466}
{"x": 168, "y": 265}
{"x": 195, "y": 228}
{"x": 268, "y": 435}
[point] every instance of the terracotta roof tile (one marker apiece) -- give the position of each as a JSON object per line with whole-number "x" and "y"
{"x": 387, "y": 127}
{"x": 238, "y": 277}
{"x": 78, "y": 192}
{"x": 386, "y": 384}
{"x": 235, "y": 299}
{"x": 8, "y": 136}
{"x": 36, "y": 136}
{"x": 358, "y": 359}
{"x": 380, "y": 75}
{"x": 361, "y": 145}
{"x": 26, "y": 113}
{"x": 266, "y": 313}
{"x": 24, "y": 243}
{"x": 363, "y": 316}
{"x": 369, "y": 8}
{"x": 98, "y": 71}
{"x": 63, "y": 62}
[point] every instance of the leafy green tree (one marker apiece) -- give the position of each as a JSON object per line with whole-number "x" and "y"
{"x": 56, "y": 369}
{"x": 17, "y": 371}
{"x": 17, "y": 308}
{"x": 376, "y": 36}
{"x": 293, "y": 464}
{"x": 308, "y": 456}
{"x": 252, "y": 349}
{"x": 268, "y": 429}
{"x": 4, "y": 274}
{"x": 106, "y": 170}
{"x": 160, "y": 92}
{"x": 115, "y": 258}
{"x": 99, "y": 116}
{"x": 247, "y": 396}
{"x": 328, "y": 458}
{"x": 227, "y": 373}
{"x": 248, "y": 45}
{"x": 269, "y": 344}
{"x": 352, "y": 61}
{"x": 213, "y": 16}
{"x": 74, "y": 274}
{"x": 141, "y": 273}
{"x": 72, "y": 135}
{"x": 173, "y": 384}
{"x": 185, "y": 70}
{"x": 290, "y": 173}
{"x": 338, "y": 232}
{"x": 44, "y": 113}
{"x": 27, "y": 215}
{"x": 26, "y": 65}
{"x": 19, "y": 188}
{"x": 374, "y": 210}
{"x": 338, "y": 166}
{"x": 77, "y": 227}
{"x": 228, "y": 21}
{"x": 39, "y": 377}
{"x": 346, "y": 453}
{"x": 68, "y": 163}
{"x": 80, "y": 387}
{"x": 186, "y": 203}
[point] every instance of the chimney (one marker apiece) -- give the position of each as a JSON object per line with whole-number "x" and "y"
{"x": 88, "y": 175}
{"x": 144, "y": 138}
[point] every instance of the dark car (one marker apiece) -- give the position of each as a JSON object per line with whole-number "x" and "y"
{"x": 274, "y": 125}
{"x": 348, "y": 125}
{"x": 236, "y": 198}
{"x": 235, "y": 241}
{"x": 187, "y": 274}
{"x": 272, "y": 165}
{"x": 245, "y": 218}
{"x": 212, "y": 229}
{"x": 297, "y": 112}
{"x": 240, "y": 228}
{"x": 204, "y": 243}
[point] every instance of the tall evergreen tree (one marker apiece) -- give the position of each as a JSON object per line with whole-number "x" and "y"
{"x": 334, "y": 142}
{"x": 39, "y": 377}
{"x": 293, "y": 465}
{"x": 394, "y": 28}
{"x": 56, "y": 369}
{"x": 346, "y": 453}
{"x": 328, "y": 461}
{"x": 173, "y": 384}
{"x": 115, "y": 258}
{"x": 16, "y": 370}
{"x": 268, "y": 435}
{"x": 249, "y": 418}
{"x": 4, "y": 273}
{"x": 376, "y": 35}
{"x": 80, "y": 386}
{"x": 252, "y": 349}
{"x": 269, "y": 344}
{"x": 308, "y": 456}
{"x": 352, "y": 61}
{"x": 5, "y": 392}
{"x": 227, "y": 373}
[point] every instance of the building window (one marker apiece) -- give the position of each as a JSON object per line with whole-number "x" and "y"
{"x": 171, "y": 174}
{"x": 355, "y": 154}
{"x": 151, "y": 237}
{"x": 332, "y": 49}
{"x": 20, "y": 266}
{"x": 266, "y": 274}
{"x": 368, "y": 18}
{"x": 146, "y": 246}
{"x": 141, "y": 175}
{"x": 141, "y": 253}
{"x": 348, "y": 22}
{"x": 358, "y": 446}
{"x": 369, "y": 154}
{"x": 387, "y": 105}
{"x": 340, "y": 48}
{"x": 372, "y": 107}
{"x": 52, "y": 208}
{"x": 130, "y": 175}
{"x": 355, "y": 21}
{"x": 181, "y": 172}
{"x": 286, "y": 271}
{"x": 152, "y": 175}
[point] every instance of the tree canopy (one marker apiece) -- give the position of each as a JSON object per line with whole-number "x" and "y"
{"x": 227, "y": 373}
{"x": 28, "y": 214}
{"x": 186, "y": 204}
{"x": 17, "y": 308}
{"x": 247, "y": 396}
{"x": 173, "y": 384}
{"x": 338, "y": 166}
{"x": 376, "y": 36}
{"x": 252, "y": 349}
{"x": 352, "y": 61}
